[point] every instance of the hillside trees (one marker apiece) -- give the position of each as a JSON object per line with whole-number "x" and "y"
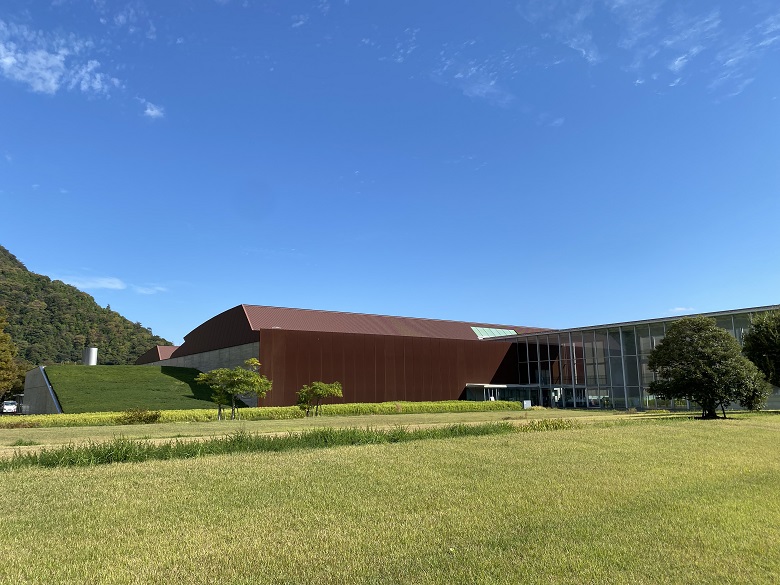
{"x": 52, "y": 322}
{"x": 8, "y": 366}
{"x": 699, "y": 361}
{"x": 228, "y": 384}
{"x": 762, "y": 344}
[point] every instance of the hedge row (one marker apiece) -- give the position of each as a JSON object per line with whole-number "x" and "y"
{"x": 259, "y": 413}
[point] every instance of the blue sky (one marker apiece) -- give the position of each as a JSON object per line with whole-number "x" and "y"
{"x": 549, "y": 163}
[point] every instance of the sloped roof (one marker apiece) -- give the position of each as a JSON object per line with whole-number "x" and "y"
{"x": 156, "y": 354}
{"x": 266, "y": 318}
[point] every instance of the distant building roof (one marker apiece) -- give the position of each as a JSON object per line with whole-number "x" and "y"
{"x": 156, "y": 354}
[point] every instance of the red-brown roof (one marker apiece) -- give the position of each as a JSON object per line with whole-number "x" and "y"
{"x": 264, "y": 318}
{"x": 156, "y": 354}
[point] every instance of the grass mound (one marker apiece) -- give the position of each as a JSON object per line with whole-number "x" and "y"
{"x": 82, "y": 389}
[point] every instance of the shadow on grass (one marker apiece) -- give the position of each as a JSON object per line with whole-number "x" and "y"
{"x": 199, "y": 391}
{"x": 187, "y": 375}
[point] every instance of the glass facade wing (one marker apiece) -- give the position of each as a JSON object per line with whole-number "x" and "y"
{"x": 606, "y": 366}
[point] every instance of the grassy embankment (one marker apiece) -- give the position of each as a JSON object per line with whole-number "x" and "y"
{"x": 663, "y": 501}
{"x": 116, "y": 388}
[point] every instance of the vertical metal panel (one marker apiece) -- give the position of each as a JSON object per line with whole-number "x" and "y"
{"x": 386, "y": 389}
{"x": 398, "y": 392}
{"x": 381, "y": 368}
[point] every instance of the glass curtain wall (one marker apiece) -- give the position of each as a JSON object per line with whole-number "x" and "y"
{"x": 602, "y": 367}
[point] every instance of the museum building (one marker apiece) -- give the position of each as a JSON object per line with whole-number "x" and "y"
{"x": 381, "y": 358}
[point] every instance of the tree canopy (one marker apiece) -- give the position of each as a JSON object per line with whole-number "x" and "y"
{"x": 699, "y": 361}
{"x": 8, "y": 366}
{"x": 762, "y": 344}
{"x": 52, "y": 322}
{"x": 227, "y": 384}
{"x": 311, "y": 395}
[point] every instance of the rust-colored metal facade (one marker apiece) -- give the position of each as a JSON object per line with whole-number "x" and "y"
{"x": 376, "y": 358}
{"x": 379, "y": 368}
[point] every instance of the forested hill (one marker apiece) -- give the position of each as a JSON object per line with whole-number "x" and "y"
{"x": 52, "y": 322}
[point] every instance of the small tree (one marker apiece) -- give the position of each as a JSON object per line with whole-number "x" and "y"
{"x": 762, "y": 344}
{"x": 9, "y": 371}
{"x": 699, "y": 361}
{"x": 311, "y": 395}
{"x": 228, "y": 384}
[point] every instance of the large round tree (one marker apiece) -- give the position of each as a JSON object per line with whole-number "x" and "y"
{"x": 699, "y": 361}
{"x": 762, "y": 344}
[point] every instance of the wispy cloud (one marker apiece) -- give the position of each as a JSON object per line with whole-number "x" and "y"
{"x": 95, "y": 282}
{"x": 660, "y": 42}
{"x": 47, "y": 63}
{"x": 545, "y": 119}
{"x": 152, "y": 110}
{"x": 149, "y": 290}
{"x": 111, "y": 283}
{"x": 735, "y": 62}
{"x": 573, "y": 32}
{"x": 405, "y": 45}
{"x": 299, "y": 20}
{"x": 476, "y": 77}
{"x": 680, "y": 310}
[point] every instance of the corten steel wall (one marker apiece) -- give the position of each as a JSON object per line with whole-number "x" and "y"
{"x": 227, "y": 329}
{"x": 379, "y": 368}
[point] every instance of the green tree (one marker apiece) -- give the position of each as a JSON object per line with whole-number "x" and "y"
{"x": 9, "y": 371}
{"x": 762, "y": 344}
{"x": 699, "y": 361}
{"x": 228, "y": 384}
{"x": 311, "y": 395}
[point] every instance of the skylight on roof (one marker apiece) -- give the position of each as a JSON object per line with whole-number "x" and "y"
{"x": 487, "y": 332}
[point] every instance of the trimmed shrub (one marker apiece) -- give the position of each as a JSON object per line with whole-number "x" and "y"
{"x": 138, "y": 416}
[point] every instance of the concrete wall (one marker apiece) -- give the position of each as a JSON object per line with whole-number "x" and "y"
{"x": 39, "y": 398}
{"x": 228, "y": 357}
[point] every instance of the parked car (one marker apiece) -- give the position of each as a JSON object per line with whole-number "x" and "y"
{"x": 10, "y": 407}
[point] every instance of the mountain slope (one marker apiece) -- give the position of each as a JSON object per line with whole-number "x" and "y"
{"x": 50, "y": 321}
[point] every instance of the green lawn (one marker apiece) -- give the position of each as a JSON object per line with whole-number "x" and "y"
{"x": 118, "y": 388}
{"x": 677, "y": 501}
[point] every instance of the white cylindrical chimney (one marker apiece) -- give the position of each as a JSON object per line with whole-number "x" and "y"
{"x": 90, "y": 356}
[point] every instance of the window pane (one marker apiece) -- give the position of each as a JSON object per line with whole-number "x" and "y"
{"x": 724, "y": 322}
{"x": 645, "y": 341}
{"x": 632, "y": 371}
{"x": 544, "y": 349}
{"x": 616, "y": 371}
{"x": 634, "y": 400}
{"x": 533, "y": 350}
{"x": 741, "y": 326}
{"x": 524, "y": 376}
{"x": 646, "y": 372}
{"x": 613, "y": 340}
{"x": 600, "y": 345}
{"x": 579, "y": 371}
{"x": 618, "y": 399}
{"x": 629, "y": 341}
